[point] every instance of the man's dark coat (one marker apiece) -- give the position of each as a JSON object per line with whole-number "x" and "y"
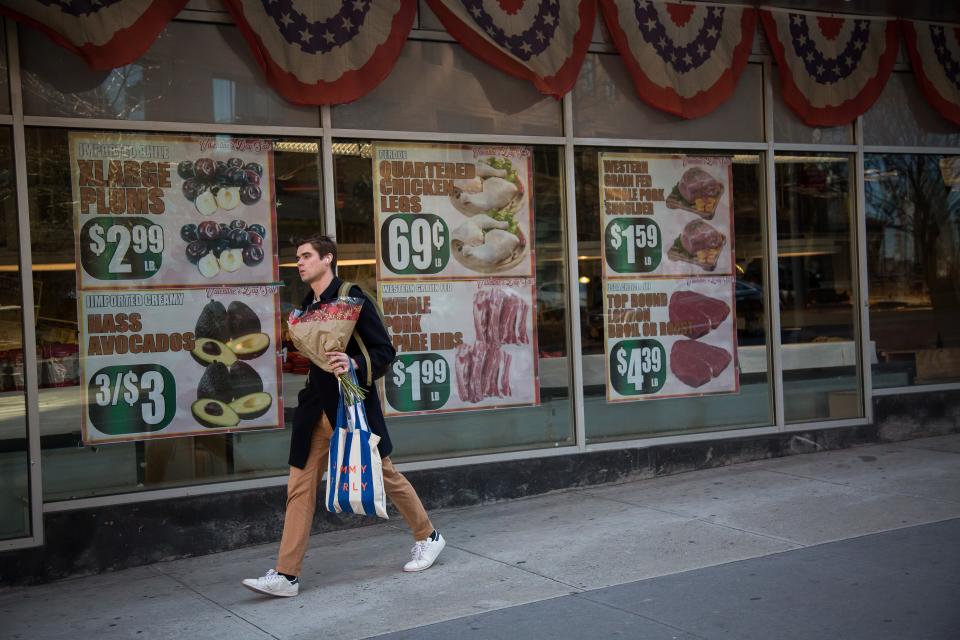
{"x": 321, "y": 394}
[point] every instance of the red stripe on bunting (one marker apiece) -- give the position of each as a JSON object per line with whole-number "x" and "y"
{"x": 556, "y": 85}
{"x": 666, "y": 98}
{"x": 348, "y": 87}
{"x": 848, "y": 111}
{"x": 124, "y": 47}
{"x": 949, "y": 110}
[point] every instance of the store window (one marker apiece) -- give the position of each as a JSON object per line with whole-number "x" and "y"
{"x": 913, "y": 239}
{"x": 438, "y": 86}
{"x": 750, "y": 405}
{"x": 818, "y": 291}
{"x": 14, "y": 457}
{"x": 605, "y": 105}
{"x": 442, "y": 435}
{"x": 71, "y": 470}
{"x": 4, "y": 81}
{"x": 194, "y": 72}
{"x": 902, "y": 116}
{"x": 789, "y": 128}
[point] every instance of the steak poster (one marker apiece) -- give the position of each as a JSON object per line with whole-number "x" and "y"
{"x": 668, "y": 271}
{"x": 666, "y": 215}
{"x": 461, "y": 345}
{"x": 176, "y": 250}
{"x": 670, "y": 337}
{"x": 174, "y": 362}
{"x": 453, "y": 211}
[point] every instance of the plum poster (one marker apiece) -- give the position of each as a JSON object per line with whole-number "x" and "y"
{"x": 176, "y": 250}
{"x": 461, "y": 345}
{"x": 453, "y": 211}
{"x": 666, "y": 215}
{"x": 668, "y": 258}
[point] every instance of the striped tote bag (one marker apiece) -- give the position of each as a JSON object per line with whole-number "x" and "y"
{"x": 355, "y": 476}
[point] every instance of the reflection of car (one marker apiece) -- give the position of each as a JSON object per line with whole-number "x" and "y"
{"x": 553, "y": 294}
{"x": 748, "y": 291}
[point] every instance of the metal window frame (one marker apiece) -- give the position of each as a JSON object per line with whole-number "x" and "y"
{"x": 326, "y": 133}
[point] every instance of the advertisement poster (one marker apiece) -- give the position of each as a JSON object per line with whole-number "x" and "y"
{"x": 177, "y": 362}
{"x": 669, "y": 337}
{"x": 172, "y": 211}
{"x": 453, "y": 211}
{"x": 461, "y": 345}
{"x": 666, "y": 215}
{"x": 668, "y": 259}
{"x": 176, "y": 251}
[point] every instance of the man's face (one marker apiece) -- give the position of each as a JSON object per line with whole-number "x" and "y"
{"x": 311, "y": 265}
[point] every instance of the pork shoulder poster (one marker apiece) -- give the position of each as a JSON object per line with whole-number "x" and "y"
{"x": 665, "y": 215}
{"x": 176, "y": 362}
{"x": 670, "y": 337}
{"x": 461, "y": 345}
{"x": 452, "y": 211}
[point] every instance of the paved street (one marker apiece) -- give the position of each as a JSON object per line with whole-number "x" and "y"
{"x": 858, "y": 543}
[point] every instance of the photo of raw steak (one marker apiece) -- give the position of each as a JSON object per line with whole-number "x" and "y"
{"x": 697, "y": 183}
{"x": 696, "y": 363}
{"x": 703, "y": 313}
{"x": 699, "y": 236}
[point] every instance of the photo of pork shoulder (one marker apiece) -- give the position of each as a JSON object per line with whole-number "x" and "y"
{"x": 699, "y": 235}
{"x": 697, "y": 183}
{"x": 696, "y": 363}
{"x": 702, "y": 313}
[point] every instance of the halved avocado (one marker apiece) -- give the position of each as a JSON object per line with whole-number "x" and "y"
{"x": 250, "y": 346}
{"x": 214, "y": 414}
{"x": 216, "y": 383}
{"x": 207, "y": 351}
{"x": 252, "y": 405}
{"x": 241, "y": 319}
{"x": 244, "y": 380}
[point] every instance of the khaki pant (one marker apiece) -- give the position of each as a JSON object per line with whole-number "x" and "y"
{"x": 302, "y": 500}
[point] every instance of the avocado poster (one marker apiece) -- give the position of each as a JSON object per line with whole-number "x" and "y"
{"x": 176, "y": 362}
{"x": 665, "y": 215}
{"x": 176, "y": 265}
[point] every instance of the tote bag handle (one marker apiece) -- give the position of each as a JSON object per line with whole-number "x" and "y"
{"x": 358, "y": 410}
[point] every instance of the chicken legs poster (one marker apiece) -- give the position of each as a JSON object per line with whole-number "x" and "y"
{"x": 668, "y": 258}
{"x": 456, "y": 270}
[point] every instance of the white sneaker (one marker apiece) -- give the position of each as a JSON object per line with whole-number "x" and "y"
{"x": 273, "y": 584}
{"x": 424, "y": 553}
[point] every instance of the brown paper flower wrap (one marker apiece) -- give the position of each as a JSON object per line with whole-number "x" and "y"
{"x": 328, "y": 327}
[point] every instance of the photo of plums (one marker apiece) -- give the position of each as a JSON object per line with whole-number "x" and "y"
{"x": 215, "y": 185}
{"x": 217, "y": 247}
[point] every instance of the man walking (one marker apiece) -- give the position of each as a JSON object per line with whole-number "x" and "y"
{"x": 313, "y": 427}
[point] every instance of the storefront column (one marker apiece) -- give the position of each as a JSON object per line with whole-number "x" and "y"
{"x": 573, "y": 276}
{"x": 863, "y": 316}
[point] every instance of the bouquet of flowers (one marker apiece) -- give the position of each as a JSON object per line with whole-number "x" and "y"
{"x": 328, "y": 327}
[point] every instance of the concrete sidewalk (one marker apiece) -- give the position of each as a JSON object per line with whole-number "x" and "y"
{"x": 755, "y": 541}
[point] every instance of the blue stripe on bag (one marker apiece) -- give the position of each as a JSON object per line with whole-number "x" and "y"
{"x": 332, "y": 467}
{"x": 343, "y": 487}
{"x": 366, "y": 495}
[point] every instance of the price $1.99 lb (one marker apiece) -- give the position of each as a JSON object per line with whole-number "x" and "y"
{"x": 418, "y": 382}
{"x": 638, "y": 367}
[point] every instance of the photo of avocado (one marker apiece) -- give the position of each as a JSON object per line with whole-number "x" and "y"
{"x": 230, "y": 390}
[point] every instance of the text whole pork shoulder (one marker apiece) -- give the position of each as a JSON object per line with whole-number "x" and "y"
{"x": 696, "y": 363}
{"x": 701, "y": 313}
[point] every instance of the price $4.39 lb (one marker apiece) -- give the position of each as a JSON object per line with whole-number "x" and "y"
{"x": 638, "y": 367}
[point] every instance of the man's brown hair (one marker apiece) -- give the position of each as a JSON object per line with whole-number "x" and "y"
{"x": 322, "y": 244}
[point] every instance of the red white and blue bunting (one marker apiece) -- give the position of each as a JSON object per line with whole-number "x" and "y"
{"x": 106, "y": 33}
{"x": 324, "y": 51}
{"x": 831, "y": 68}
{"x": 684, "y": 58}
{"x": 543, "y": 41}
{"x": 934, "y": 50}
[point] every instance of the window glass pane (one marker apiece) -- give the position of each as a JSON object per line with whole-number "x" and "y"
{"x": 437, "y": 86}
{"x": 473, "y": 432}
{"x": 605, "y": 105}
{"x": 902, "y": 116}
{"x": 817, "y": 288}
{"x": 72, "y": 470}
{"x": 913, "y": 239}
{"x": 752, "y": 405}
{"x": 194, "y": 72}
{"x": 788, "y": 127}
{"x": 4, "y": 81}
{"x": 14, "y": 459}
